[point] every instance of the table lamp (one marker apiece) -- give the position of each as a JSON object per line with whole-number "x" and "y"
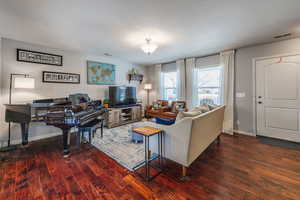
{"x": 20, "y": 81}
{"x": 148, "y": 87}
{"x": 24, "y": 82}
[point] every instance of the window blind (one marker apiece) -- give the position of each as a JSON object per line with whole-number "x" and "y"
{"x": 208, "y": 61}
{"x": 169, "y": 67}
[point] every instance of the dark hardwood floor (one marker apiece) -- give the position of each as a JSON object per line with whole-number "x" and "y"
{"x": 239, "y": 168}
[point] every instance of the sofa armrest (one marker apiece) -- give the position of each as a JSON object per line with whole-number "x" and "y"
{"x": 148, "y": 107}
{"x": 176, "y": 140}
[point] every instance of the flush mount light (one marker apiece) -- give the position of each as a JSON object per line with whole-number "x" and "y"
{"x": 149, "y": 47}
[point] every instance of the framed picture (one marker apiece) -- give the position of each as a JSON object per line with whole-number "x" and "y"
{"x": 60, "y": 77}
{"x": 101, "y": 73}
{"x": 39, "y": 58}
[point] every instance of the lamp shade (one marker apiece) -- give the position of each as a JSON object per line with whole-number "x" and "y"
{"x": 148, "y": 86}
{"x": 24, "y": 82}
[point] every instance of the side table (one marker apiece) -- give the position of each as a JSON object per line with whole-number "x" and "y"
{"x": 148, "y": 131}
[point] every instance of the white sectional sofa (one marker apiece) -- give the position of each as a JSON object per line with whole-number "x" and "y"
{"x": 185, "y": 140}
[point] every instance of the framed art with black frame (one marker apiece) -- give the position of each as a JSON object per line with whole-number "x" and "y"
{"x": 39, "y": 57}
{"x": 60, "y": 77}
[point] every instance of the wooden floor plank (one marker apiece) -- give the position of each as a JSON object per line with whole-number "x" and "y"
{"x": 239, "y": 168}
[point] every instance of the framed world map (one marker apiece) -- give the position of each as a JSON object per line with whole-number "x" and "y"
{"x": 101, "y": 73}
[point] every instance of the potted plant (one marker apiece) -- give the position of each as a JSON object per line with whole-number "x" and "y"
{"x": 106, "y": 103}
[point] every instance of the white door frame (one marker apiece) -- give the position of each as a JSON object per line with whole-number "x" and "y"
{"x": 254, "y": 117}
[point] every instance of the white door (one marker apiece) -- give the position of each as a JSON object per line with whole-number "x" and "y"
{"x": 278, "y": 97}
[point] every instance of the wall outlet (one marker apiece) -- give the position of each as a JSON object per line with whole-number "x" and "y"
{"x": 240, "y": 94}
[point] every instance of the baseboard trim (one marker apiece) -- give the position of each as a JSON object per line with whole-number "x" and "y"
{"x": 244, "y": 133}
{"x": 34, "y": 138}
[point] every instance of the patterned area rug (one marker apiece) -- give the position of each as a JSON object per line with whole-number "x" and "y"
{"x": 117, "y": 144}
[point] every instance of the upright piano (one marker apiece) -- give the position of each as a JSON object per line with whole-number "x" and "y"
{"x": 59, "y": 112}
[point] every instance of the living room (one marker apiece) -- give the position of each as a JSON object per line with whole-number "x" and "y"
{"x": 119, "y": 100}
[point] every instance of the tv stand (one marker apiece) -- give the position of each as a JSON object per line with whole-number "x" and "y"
{"x": 118, "y": 116}
{"x": 125, "y": 106}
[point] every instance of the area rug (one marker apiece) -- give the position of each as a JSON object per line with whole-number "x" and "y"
{"x": 117, "y": 144}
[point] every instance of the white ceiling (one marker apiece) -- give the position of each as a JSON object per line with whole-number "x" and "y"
{"x": 181, "y": 28}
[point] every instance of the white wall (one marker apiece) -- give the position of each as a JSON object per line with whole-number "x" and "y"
{"x": 244, "y": 56}
{"x": 74, "y": 62}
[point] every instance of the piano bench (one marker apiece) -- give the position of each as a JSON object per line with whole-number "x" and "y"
{"x": 91, "y": 128}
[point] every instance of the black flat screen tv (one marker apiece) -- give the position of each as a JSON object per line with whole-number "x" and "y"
{"x": 121, "y": 96}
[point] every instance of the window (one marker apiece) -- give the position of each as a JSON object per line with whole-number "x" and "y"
{"x": 209, "y": 85}
{"x": 169, "y": 85}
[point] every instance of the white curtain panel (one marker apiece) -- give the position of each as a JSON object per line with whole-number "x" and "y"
{"x": 191, "y": 83}
{"x": 227, "y": 61}
{"x": 158, "y": 80}
{"x": 180, "y": 65}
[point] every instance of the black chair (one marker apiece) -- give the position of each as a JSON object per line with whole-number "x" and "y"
{"x": 91, "y": 128}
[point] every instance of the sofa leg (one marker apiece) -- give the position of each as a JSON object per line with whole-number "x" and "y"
{"x": 184, "y": 170}
{"x": 184, "y": 176}
{"x": 219, "y": 139}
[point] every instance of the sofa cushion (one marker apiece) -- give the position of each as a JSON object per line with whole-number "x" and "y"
{"x": 202, "y": 109}
{"x": 196, "y": 109}
{"x": 168, "y": 115}
{"x": 154, "y": 111}
{"x": 182, "y": 115}
{"x": 191, "y": 114}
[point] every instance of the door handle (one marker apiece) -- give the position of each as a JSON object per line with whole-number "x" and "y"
{"x": 260, "y": 102}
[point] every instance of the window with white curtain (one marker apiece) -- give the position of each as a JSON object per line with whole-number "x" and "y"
{"x": 169, "y": 81}
{"x": 208, "y": 81}
{"x": 209, "y": 86}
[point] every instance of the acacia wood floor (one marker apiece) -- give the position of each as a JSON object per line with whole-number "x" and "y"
{"x": 239, "y": 168}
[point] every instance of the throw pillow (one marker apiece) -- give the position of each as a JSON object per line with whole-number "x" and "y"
{"x": 212, "y": 106}
{"x": 177, "y": 106}
{"x": 180, "y": 116}
{"x": 203, "y": 108}
{"x": 156, "y": 105}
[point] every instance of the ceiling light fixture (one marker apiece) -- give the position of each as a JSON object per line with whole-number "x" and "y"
{"x": 149, "y": 47}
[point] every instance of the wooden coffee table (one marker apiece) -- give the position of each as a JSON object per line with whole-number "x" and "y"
{"x": 147, "y": 132}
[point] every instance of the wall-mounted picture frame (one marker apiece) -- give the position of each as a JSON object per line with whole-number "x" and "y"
{"x": 39, "y": 57}
{"x": 101, "y": 73}
{"x": 60, "y": 77}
